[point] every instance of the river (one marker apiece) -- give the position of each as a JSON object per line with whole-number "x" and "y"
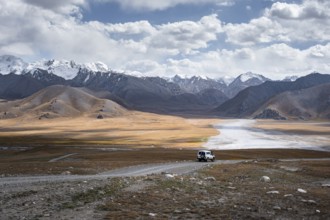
{"x": 241, "y": 134}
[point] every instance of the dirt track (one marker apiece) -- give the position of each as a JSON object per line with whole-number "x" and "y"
{"x": 140, "y": 170}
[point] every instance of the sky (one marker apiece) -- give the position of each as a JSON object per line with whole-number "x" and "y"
{"x": 214, "y": 38}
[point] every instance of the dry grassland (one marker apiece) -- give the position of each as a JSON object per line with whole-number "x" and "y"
{"x": 138, "y": 138}
{"x": 133, "y": 130}
{"x": 296, "y": 127}
{"x": 98, "y": 145}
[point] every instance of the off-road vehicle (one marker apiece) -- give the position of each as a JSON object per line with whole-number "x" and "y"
{"x": 205, "y": 155}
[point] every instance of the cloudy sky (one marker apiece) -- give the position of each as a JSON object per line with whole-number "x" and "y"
{"x": 214, "y": 38}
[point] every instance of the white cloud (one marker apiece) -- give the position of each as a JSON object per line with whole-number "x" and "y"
{"x": 309, "y": 9}
{"x": 260, "y": 30}
{"x": 60, "y": 35}
{"x": 152, "y": 5}
{"x": 187, "y": 36}
{"x": 284, "y": 22}
{"x": 47, "y": 32}
{"x": 274, "y": 61}
{"x": 32, "y": 28}
{"x": 130, "y": 28}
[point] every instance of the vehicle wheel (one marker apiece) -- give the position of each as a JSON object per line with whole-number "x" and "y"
{"x": 212, "y": 160}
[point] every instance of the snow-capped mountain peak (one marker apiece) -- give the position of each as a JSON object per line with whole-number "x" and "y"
{"x": 290, "y": 78}
{"x": 65, "y": 68}
{"x": 226, "y": 80}
{"x": 249, "y": 75}
{"x": 11, "y": 64}
{"x": 96, "y": 67}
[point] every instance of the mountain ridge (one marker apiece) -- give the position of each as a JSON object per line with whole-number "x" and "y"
{"x": 305, "y": 104}
{"x": 246, "y": 102}
{"x": 177, "y": 95}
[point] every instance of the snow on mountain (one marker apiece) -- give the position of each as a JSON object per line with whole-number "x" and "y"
{"x": 11, "y": 64}
{"x": 96, "y": 67}
{"x": 243, "y": 81}
{"x": 66, "y": 69}
{"x": 62, "y": 68}
{"x": 249, "y": 75}
{"x": 290, "y": 78}
{"x": 196, "y": 84}
{"x": 226, "y": 80}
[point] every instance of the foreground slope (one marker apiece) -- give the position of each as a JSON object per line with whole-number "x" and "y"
{"x": 60, "y": 101}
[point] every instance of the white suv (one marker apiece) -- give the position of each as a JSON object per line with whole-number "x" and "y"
{"x": 205, "y": 155}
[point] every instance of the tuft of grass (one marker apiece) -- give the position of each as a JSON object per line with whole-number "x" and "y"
{"x": 92, "y": 195}
{"x": 24, "y": 194}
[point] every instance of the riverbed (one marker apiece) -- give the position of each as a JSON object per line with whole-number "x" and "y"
{"x": 243, "y": 134}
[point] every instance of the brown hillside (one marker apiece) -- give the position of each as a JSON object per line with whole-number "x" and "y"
{"x": 306, "y": 104}
{"x": 60, "y": 101}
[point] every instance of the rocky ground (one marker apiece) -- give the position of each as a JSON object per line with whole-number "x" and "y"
{"x": 254, "y": 189}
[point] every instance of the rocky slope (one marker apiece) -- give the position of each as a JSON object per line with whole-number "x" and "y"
{"x": 248, "y": 101}
{"x": 306, "y": 104}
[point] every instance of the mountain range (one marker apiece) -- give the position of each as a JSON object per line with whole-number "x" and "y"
{"x": 248, "y": 95}
{"x": 305, "y": 104}
{"x": 249, "y": 101}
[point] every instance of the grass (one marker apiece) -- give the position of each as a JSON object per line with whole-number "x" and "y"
{"x": 236, "y": 193}
{"x": 82, "y": 198}
{"x": 23, "y": 194}
{"x": 134, "y": 130}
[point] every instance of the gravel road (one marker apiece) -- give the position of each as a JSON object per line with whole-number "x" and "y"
{"x": 140, "y": 170}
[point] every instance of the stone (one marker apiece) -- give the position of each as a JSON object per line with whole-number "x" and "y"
{"x": 265, "y": 179}
{"x": 231, "y": 187}
{"x": 169, "y": 176}
{"x": 288, "y": 195}
{"x": 311, "y": 202}
{"x": 152, "y": 214}
{"x": 210, "y": 178}
{"x": 301, "y": 190}
{"x": 277, "y": 208}
{"x": 273, "y": 192}
{"x": 66, "y": 173}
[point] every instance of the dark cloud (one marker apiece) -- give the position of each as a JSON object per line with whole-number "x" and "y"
{"x": 55, "y": 4}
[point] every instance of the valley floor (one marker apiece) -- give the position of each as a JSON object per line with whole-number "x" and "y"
{"x": 84, "y": 146}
